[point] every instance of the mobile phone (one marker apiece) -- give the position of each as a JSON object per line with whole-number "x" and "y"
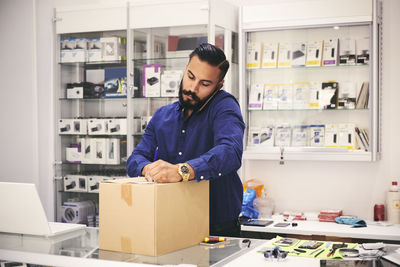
{"x": 258, "y": 223}
{"x": 281, "y": 224}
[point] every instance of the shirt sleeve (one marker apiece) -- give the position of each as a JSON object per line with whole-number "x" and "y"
{"x": 143, "y": 154}
{"x": 226, "y": 155}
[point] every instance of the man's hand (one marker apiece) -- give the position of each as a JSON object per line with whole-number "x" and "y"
{"x": 161, "y": 172}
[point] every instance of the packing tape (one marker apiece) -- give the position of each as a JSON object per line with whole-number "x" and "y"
{"x": 126, "y": 244}
{"x": 126, "y": 193}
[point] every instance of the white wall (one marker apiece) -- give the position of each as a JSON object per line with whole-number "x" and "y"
{"x": 26, "y": 72}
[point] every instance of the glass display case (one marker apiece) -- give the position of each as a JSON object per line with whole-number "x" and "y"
{"x": 310, "y": 92}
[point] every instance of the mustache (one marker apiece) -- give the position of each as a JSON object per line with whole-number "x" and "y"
{"x": 192, "y": 94}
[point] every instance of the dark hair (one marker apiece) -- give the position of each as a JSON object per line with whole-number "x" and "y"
{"x": 213, "y": 56}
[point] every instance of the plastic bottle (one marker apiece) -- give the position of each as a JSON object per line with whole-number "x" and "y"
{"x": 393, "y": 204}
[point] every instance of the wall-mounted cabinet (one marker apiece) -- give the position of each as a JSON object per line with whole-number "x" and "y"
{"x": 310, "y": 81}
{"x": 112, "y": 75}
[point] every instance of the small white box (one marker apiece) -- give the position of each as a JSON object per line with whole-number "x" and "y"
{"x": 299, "y": 54}
{"x": 301, "y": 95}
{"x": 347, "y": 95}
{"x": 314, "y": 102}
{"x": 117, "y": 127}
{"x": 81, "y": 43}
{"x": 85, "y": 150}
{"x": 151, "y": 80}
{"x": 94, "y": 183}
{"x": 346, "y": 132}
{"x": 170, "y": 81}
{"x": 75, "y": 93}
{"x": 65, "y": 126}
{"x": 299, "y": 135}
{"x": 317, "y": 135}
{"x": 98, "y": 151}
{"x": 254, "y": 136}
{"x": 285, "y": 55}
{"x": 330, "y": 52}
{"x": 70, "y": 44}
{"x": 97, "y": 126}
{"x": 79, "y": 55}
{"x": 113, "y": 151}
{"x": 283, "y": 135}
{"x": 347, "y": 51}
{"x": 66, "y": 56}
{"x": 94, "y": 55}
{"x": 73, "y": 154}
{"x": 285, "y": 95}
{"x": 254, "y": 55}
{"x": 75, "y": 183}
{"x": 256, "y": 97}
{"x": 113, "y": 48}
{"x": 267, "y": 137}
{"x": 331, "y": 135}
{"x": 94, "y": 43}
{"x": 362, "y": 48}
{"x": 270, "y": 55}
{"x": 270, "y": 101}
{"x": 314, "y": 53}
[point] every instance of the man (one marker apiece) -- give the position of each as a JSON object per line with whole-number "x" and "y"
{"x": 198, "y": 137}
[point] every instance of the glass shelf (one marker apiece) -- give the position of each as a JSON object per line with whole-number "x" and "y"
{"x": 337, "y": 67}
{"x": 307, "y": 110}
{"x": 95, "y": 63}
{"x": 93, "y": 99}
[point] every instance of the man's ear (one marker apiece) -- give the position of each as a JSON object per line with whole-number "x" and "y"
{"x": 220, "y": 84}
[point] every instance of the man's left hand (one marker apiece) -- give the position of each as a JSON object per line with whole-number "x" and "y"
{"x": 162, "y": 172}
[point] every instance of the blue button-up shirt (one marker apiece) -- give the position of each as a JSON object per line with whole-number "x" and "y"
{"x": 210, "y": 140}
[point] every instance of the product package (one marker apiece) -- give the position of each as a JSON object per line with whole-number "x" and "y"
{"x": 170, "y": 81}
{"x": 328, "y": 96}
{"x": 151, "y": 80}
{"x": 113, "y": 151}
{"x": 330, "y": 52}
{"x": 317, "y": 135}
{"x": 347, "y": 95}
{"x": 331, "y": 135}
{"x": 285, "y": 55}
{"x": 285, "y": 94}
{"x": 362, "y": 48}
{"x": 346, "y": 135}
{"x": 113, "y": 48}
{"x": 152, "y": 218}
{"x": 97, "y": 126}
{"x": 73, "y": 153}
{"x": 144, "y": 120}
{"x": 301, "y": 95}
{"x": 267, "y": 136}
{"x": 347, "y": 54}
{"x": 270, "y": 55}
{"x": 117, "y": 126}
{"x": 314, "y": 89}
{"x": 314, "y": 53}
{"x": 299, "y": 54}
{"x": 94, "y": 52}
{"x": 254, "y": 136}
{"x": 254, "y": 55}
{"x": 283, "y": 135}
{"x": 115, "y": 83}
{"x": 270, "y": 101}
{"x": 256, "y": 97}
{"x": 98, "y": 150}
{"x": 299, "y": 135}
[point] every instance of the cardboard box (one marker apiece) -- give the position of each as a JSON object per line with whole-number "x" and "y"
{"x": 152, "y": 219}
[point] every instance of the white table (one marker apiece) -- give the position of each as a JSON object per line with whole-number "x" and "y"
{"x": 372, "y": 231}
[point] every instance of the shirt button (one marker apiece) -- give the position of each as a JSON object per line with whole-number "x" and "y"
{"x": 201, "y": 177}
{"x": 219, "y": 174}
{"x": 183, "y": 131}
{"x": 180, "y": 153}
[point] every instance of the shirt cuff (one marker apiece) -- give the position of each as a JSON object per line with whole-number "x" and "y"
{"x": 201, "y": 169}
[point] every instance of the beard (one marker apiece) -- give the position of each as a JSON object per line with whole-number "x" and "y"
{"x": 198, "y": 103}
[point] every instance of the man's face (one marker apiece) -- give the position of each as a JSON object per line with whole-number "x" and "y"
{"x": 198, "y": 83}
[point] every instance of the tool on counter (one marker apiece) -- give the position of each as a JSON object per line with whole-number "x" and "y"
{"x": 316, "y": 255}
{"x": 349, "y": 252}
{"x": 214, "y": 239}
{"x": 300, "y": 250}
{"x": 335, "y": 247}
{"x": 317, "y": 250}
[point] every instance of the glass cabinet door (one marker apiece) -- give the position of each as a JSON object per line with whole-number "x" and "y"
{"x": 309, "y": 90}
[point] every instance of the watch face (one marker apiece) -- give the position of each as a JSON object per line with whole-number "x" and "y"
{"x": 184, "y": 169}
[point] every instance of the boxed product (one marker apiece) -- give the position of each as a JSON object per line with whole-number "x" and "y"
{"x": 112, "y": 151}
{"x": 285, "y": 55}
{"x": 85, "y": 150}
{"x": 270, "y": 55}
{"x": 98, "y": 150}
{"x": 317, "y": 135}
{"x": 314, "y": 88}
{"x": 254, "y": 55}
{"x": 115, "y": 82}
{"x": 97, "y": 126}
{"x": 75, "y": 183}
{"x": 151, "y": 80}
{"x": 285, "y": 96}
{"x": 267, "y": 136}
{"x": 346, "y": 135}
{"x": 144, "y": 120}
{"x": 75, "y": 92}
{"x": 314, "y": 53}
{"x": 256, "y": 97}
{"x": 299, "y": 54}
{"x": 283, "y": 135}
{"x": 152, "y": 218}
{"x": 328, "y": 95}
{"x": 170, "y": 81}
{"x": 347, "y": 95}
{"x": 299, "y": 135}
{"x": 347, "y": 51}
{"x": 301, "y": 95}
{"x": 73, "y": 153}
{"x": 270, "y": 101}
{"x": 254, "y": 136}
{"x": 116, "y": 126}
{"x": 362, "y": 48}
{"x": 331, "y": 135}
{"x": 330, "y": 52}
{"x": 329, "y": 215}
{"x": 113, "y": 48}
{"x": 94, "y": 52}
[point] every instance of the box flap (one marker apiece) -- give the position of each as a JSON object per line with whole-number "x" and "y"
{"x": 133, "y": 180}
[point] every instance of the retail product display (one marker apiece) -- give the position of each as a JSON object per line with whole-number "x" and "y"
{"x": 94, "y": 151}
{"x": 299, "y": 54}
{"x": 254, "y": 55}
{"x": 317, "y": 135}
{"x": 285, "y": 55}
{"x": 362, "y": 48}
{"x": 330, "y": 52}
{"x": 151, "y": 80}
{"x": 301, "y": 95}
{"x": 283, "y": 136}
{"x": 285, "y": 96}
{"x": 299, "y": 135}
{"x": 113, "y": 48}
{"x": 75, "y": 183}
{"x": 347, "y": 55}
{"x": 170, "y": 81}
{"x": 328, "y": 95}
{"x": 270, "y": 101}
{"x": 314, "y": 53}
{"x": 256, "y": 97}
{"x": 78, "y": 211}
{"x": 270, "y": 55}
{"x": 97, "y": 126}
{"x": 347, "y": 95}
{"x": 72, "y": 126}
{"x": 115, "y": 82}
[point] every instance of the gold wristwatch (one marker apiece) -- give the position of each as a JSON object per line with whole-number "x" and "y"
{"x": 184, "y": 171}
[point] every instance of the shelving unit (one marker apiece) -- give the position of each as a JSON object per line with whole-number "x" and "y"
{"x": 293, "y": 96}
